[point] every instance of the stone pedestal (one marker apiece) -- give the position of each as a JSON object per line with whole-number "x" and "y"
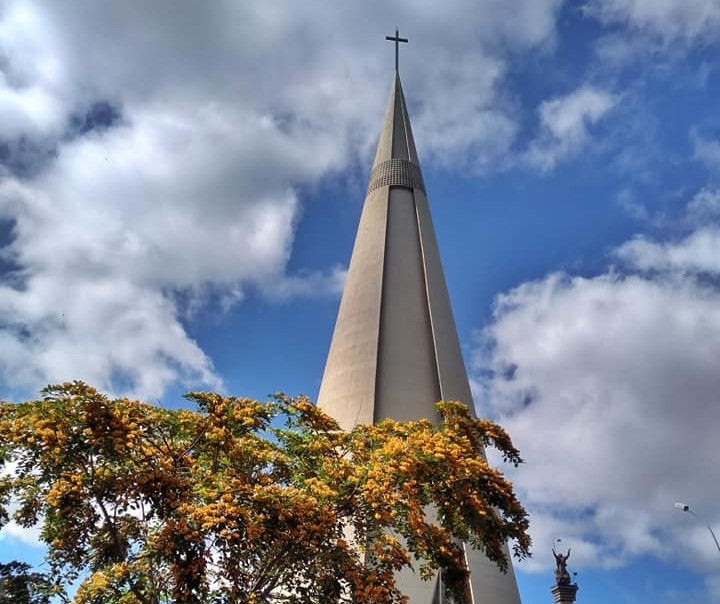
{"x": 564, "y": 594}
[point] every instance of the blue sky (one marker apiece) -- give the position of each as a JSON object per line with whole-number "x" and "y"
{"x": 180, "y": 184}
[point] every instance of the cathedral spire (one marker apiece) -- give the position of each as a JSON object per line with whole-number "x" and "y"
{"x": 395, "y": 350}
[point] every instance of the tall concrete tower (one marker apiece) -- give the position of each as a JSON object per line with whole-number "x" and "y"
{"x": 395, "y": 350}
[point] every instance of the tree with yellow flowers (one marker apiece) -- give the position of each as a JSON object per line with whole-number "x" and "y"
{"x": 242, "y": 502}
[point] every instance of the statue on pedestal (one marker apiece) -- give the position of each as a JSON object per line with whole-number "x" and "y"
{"x": 561, "y": 572}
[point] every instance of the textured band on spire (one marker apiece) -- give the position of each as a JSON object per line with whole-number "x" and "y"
{"x": 396, "y": 173}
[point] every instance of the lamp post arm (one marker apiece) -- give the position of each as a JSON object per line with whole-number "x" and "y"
{"x": 707, "y": 524}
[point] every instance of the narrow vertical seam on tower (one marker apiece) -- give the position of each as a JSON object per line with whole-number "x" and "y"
{"x": 406, "y": 124}
{"x": 428, "y": 306}
{"x": 467, "y": 564}
{"x": 392, "y": 123}
{"x": 382, "y": 304}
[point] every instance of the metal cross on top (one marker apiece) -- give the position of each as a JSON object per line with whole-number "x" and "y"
{"x": 397, "y": 39}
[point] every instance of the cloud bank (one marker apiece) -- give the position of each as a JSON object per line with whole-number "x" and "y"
{"x": 667, "y": 20}
{"x": 609, "y": 386}
{"x": 153, "y": 154}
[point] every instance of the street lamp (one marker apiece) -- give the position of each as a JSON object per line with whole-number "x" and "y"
{"x": 683, "y": 507}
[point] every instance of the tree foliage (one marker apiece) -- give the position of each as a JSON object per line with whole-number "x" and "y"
{"x": 248, "y": 502}
{"x": 20, "y": 585}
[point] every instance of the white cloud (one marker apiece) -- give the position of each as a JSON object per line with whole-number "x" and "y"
{"x": 31, "y": 92}
{"x": 27, "y": 536}
{"x": 668, "y": 20}
{"x": 470, "y": 129}
{"x": 705, "y": 205}
{"x": 697, "y": 253}
{"x": 564, "y": 125}
{"x": 707, "y": 152}
{"x": 12, "y": 530}
{"x": 308, "y": 284}
{"x": 609, "y": 387}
